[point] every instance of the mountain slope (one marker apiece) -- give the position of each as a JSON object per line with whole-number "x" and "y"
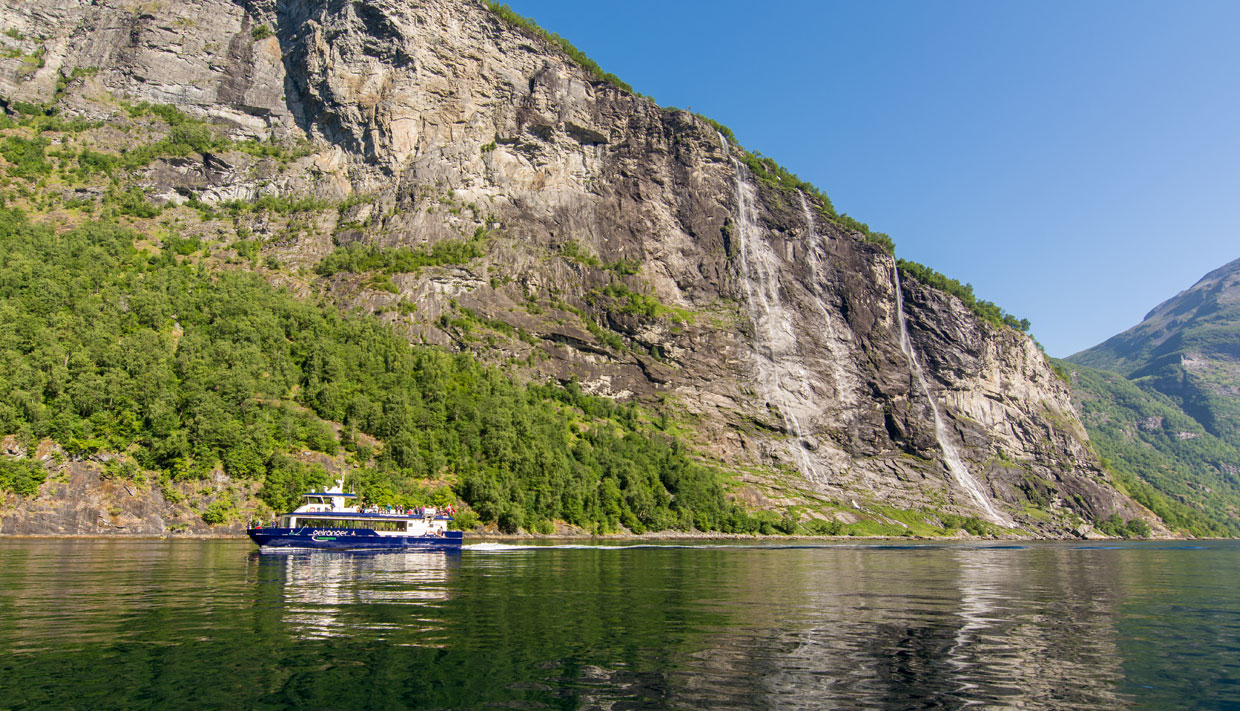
{"x": 1201, "y": 318}
{"x": 1187, "y": 348}
{"x": 1168, "y": 410}
{"x": 463, "y": 178}
{"x": 1164, "y": 458}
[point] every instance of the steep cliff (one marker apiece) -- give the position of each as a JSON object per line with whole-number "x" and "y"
{"x": 470, "y": 183}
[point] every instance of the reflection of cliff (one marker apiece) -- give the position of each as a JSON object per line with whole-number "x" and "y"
{"x": 322, "y": 591}
{"x": 914, "y": 628}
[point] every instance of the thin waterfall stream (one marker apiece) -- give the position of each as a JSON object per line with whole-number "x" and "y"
{"x": 843, "y": 392}
{"x": 955, "y": 466}
{"x": 781, "y": 380}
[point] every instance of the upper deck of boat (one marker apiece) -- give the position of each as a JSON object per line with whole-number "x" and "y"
{"x": 370, "y": 514}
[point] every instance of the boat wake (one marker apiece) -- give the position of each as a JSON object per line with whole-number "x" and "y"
{"x": 490, "y": 547}
{"x": 510, "y": 547}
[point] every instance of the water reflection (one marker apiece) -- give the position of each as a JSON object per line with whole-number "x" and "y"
{"x": 1036, "y": 629}
{"x": 913, "y": 629}
{"x": 154, "y": 624}
{"x": 72, "y": 593}
{"x": 320, "y": 592}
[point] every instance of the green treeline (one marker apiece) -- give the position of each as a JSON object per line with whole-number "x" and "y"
{"x": 28, "y": 158}
{"x": 513, "y": 18}
{"x": 106, "y": 347}
{"x": 986, "y": 310}
{"x": 360, "y": 258}
{"x": 767, "y": 171}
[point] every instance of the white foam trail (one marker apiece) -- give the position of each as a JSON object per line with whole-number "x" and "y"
{"x": 493, "y": 547}
{"x": 766, "y": 545}
{"x": 513, "y": 548}
{"x": 781, "y": 380}
{"x": 955, "y": 466}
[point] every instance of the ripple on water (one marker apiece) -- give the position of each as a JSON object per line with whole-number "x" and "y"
{"x": 729, "y": 626}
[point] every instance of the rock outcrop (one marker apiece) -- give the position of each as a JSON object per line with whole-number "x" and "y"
{"x": 628, "y": 246}
{"x": 83, "y": 498}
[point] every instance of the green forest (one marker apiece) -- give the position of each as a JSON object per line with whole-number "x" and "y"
{"x": 1165, "y": 459}
{"x": 151, "y": 332}
{"x": 109, "y": 347}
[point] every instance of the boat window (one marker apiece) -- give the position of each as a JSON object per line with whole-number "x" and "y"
{"x": 327, "y": 523}
{"x": 346, "y": 523}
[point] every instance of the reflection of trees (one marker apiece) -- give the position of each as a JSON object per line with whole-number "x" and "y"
{"x": 1180, "y": 627}
{"x": 78, "y": 592}
{"x": 816, "y": 628}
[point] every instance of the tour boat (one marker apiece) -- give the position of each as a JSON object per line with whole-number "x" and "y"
{"x": 330, "y": 520}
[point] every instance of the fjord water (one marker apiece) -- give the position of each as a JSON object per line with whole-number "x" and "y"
{"x": 98, "y": 624}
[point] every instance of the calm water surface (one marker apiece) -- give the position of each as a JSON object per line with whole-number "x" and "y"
{"x": 165, "y": 625}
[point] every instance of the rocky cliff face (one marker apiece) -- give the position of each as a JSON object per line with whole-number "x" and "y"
{"x": 624, "y": 245}
{"x": 82, "y": 498}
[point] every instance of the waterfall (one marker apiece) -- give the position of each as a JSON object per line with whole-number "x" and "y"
{"x": 839, "y": 355}
{"x": 951, "y": 458}
{"x": 781, "y": 379}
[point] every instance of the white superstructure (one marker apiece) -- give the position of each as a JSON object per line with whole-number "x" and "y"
{"x": 332, "y": 510}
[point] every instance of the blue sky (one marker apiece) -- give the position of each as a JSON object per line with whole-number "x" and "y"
{"x": 1077, "y": 162}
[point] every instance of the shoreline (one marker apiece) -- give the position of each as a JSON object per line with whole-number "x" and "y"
{"x": 668, "y": 536}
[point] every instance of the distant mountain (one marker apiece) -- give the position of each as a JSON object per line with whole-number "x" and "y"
{"x": 1168, "y": 410}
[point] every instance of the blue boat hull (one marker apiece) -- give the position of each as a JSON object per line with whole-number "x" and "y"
{"x": 353, "y": 539}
